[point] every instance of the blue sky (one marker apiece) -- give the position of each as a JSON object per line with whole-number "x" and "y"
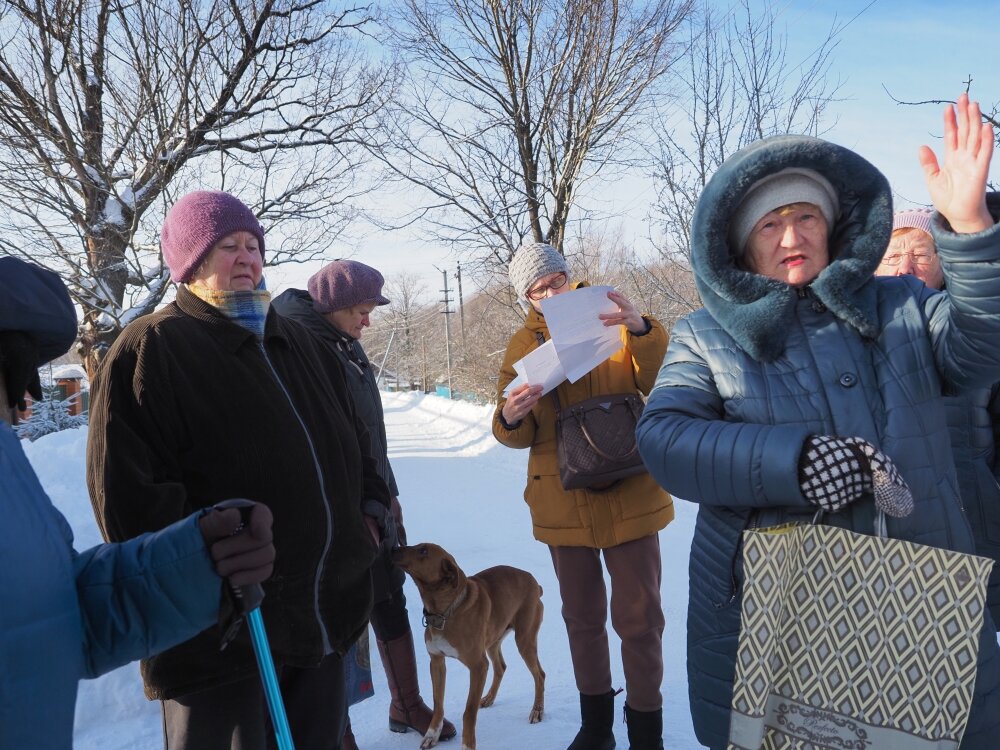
{"x": 917, "y": 50}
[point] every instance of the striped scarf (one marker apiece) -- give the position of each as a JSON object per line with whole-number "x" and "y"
{"x": 246, "y": 308}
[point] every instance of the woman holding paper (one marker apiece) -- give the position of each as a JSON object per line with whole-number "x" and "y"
{"x": 579, "y": 526}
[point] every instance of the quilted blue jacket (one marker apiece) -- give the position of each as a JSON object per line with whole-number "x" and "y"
{"x": 65, "y": 616}
{"x": 763, "y": 366}
{"x": 974, "y": 422}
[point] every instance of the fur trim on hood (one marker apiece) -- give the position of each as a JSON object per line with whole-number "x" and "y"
{"x": 754, "y": 309}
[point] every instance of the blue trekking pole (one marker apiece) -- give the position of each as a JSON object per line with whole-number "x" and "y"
{"x": 282, "y": 732}
{"x": 247, "y": 601}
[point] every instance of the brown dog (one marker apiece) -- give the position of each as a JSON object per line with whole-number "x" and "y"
{"x": 467, "y": 618}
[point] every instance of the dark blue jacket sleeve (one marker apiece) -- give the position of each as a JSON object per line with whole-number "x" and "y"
{"x": 695, "y": 454}
{"x": 964, "y": 324}
{"x": 143, "y": 596}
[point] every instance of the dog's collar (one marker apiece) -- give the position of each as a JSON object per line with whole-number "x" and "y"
{"x": 437, "y": 621}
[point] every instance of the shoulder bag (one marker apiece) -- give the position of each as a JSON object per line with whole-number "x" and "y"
{"x": 595, "y": 440}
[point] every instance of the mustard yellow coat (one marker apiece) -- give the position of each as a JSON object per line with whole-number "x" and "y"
{"x": 637, "y": 506}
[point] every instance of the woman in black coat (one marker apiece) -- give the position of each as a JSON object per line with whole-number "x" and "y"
{"x": 216, "y": 396}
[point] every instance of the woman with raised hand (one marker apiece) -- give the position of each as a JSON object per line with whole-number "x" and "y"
{"x": 804, "y": 375}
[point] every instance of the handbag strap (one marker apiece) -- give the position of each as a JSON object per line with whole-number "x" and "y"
{"x": 880, "y": 528}
{"x": 583, "y": 428}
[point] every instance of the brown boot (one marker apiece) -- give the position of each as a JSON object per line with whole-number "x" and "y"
{"x": 348, "y": 743}
{"x": 407, "y": 710}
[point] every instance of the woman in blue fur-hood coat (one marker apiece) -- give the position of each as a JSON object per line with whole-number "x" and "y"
{"x": 779, "y": 356}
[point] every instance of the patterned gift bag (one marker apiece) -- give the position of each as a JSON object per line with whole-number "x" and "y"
{"x": 358, "y": 671}
{"x": 854, "y": 641}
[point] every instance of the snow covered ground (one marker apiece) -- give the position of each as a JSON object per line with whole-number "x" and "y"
{"x": 460, "y": 489}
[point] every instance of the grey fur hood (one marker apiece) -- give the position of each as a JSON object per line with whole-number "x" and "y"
{"x": 754, "y": 309}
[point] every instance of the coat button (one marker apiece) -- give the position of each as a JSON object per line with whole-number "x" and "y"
{"x": 848, "y": 380}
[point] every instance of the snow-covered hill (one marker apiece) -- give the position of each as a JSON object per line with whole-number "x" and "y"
{"x": 462, "y": 490}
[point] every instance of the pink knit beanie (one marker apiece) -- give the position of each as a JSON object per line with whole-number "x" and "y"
{"x": 196, "y": 222}
{"x": 918, "y": 218}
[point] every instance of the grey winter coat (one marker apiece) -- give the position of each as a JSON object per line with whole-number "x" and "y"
{"x": 763, "y": 366}
{"x": 297, "y": 305}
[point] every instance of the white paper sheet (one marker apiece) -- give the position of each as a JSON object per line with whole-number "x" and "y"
{"x": 539, "y": 367}
{"x": 582, "y": 341}
{"x": 517, "y": 381}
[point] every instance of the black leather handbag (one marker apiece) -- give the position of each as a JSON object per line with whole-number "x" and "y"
{"x": 596, "y": 443}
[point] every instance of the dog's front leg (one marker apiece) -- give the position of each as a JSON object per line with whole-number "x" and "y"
{"x": 477, "y": 681}
{"x": 437, "y": 718}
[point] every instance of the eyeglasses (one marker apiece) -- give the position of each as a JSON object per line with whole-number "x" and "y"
{"x": 918, "y": 259}
{"x": 539, "y": 291}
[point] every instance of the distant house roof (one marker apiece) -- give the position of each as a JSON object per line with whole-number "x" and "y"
{"x": 69, "y": 372}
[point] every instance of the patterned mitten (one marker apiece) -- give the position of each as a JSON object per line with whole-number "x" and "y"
{"x": 892, "y": 494}
{"x": 836, "y": 471}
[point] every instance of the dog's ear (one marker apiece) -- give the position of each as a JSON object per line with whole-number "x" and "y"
{"x": 449, "y": 573}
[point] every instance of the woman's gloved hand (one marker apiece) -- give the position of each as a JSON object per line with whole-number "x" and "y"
{"x": 384, "y": 518}
{"x": 835, "y": 471}
{"x": 238, "y": 536}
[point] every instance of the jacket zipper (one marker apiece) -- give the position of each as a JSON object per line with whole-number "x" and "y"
{"x": 752, "y": 523}
{"x": 327, "y": 648}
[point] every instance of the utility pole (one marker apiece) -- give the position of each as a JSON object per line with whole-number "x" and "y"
{"x": 461, "y": 309}
{"x": 423, "y": 364}
{"x": 447, "y": 328}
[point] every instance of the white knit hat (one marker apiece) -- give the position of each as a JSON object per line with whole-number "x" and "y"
{"x": 792, "y": 185}
{"x": 531, "y": 262}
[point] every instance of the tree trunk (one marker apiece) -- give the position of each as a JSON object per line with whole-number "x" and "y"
{"x": 106, "y": 249}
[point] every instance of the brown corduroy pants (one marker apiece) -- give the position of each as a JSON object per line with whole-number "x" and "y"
{"x": 636, "y": 615}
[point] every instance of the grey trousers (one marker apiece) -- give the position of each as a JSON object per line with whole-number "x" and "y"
{"x": 636, "y": 615}
{"x": 235, "y": 716}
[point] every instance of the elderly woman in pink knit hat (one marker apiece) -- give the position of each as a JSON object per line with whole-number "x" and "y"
{"x": 217, "y": 396}
{"x": 911, "y": 249}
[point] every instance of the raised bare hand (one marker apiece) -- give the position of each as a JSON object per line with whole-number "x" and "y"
{"x": 957, "y": 184}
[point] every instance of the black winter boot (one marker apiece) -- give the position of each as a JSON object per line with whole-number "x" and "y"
{"x": 645, "y": 729}
{"x": 597, "y": 713}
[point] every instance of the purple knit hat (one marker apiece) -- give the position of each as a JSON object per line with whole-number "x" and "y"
{"x": 345, "y": 283}
{"x": 918, "y": 218}
{"x": 196, "y": 222}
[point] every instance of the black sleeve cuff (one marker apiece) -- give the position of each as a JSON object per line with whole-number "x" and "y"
{"x": 649, "y": 327}
{"x": 511, "y": 427}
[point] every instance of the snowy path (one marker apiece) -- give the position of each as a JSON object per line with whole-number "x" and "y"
{"x": 468, "y": 499}
{"x": 459, "y": 489}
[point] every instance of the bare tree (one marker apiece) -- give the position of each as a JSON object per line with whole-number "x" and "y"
{"x": 990, "y": 115}
{"x": 109, "y": 107}
{"x": 739, "y": 86}
{"x": 511, "y": 106}
{"x": 402, "y": 322}
{"x": 492, "y": 318}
